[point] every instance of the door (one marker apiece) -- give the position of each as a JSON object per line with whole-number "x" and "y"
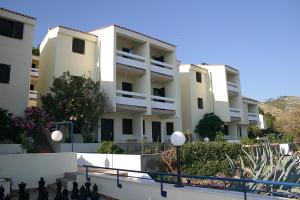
{"x": 107, "y": 129}
{"x": 156, "y": 131}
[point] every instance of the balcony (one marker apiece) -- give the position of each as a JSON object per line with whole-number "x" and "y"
{"x": 161, "y": 68}
{"x": 130, "y": 100}
{"x": 32, "y": 94}
{"x": 232, "y": 87}
{"x": 34, "y": 72}
{"x": 131, "y": 60}
{"x": 253, "y": 117}
{"x": 235, "y": 113}
{"x": 162, "y": 103}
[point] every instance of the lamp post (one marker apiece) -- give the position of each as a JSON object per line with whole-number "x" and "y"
{"x": 57, "y": 134}
{"x": 177, "y": 140}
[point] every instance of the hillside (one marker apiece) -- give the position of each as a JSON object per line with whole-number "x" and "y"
{"x": 286, "y": 109}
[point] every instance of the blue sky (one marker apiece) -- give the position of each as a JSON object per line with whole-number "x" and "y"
{"x": 260, "y": 38}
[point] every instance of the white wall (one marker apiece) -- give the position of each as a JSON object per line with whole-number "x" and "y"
{"x": 10, "y": 148}
{"x": 17, "y": 54}
{"x": 29, "y": 168}
{"x": 77, "y": 147}
{"x": 145, "y": 190}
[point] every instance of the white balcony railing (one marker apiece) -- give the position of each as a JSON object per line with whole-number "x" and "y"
{"x": 130, "y": 59}
{"x": 232, "y": 87}
{"x": 32, "y": 94}
{"x": 235, "y": 112}
{"x": 161, "y": 67}
{"x": 34, "y": 72}
{"x": 252, "y": 117}
{"x": 164, "y": 103}
{"x": 131, "y": 98}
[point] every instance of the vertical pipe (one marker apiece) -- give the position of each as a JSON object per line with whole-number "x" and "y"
{"x": 178, "y": 184}
{"x": 72, "y": 132}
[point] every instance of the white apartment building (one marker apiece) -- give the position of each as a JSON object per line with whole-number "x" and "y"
{"x": 138, "y": 74}
{"x": 16, "y": 36}
{"x": 216, "y": 88}
{"x": 34, "y": 79}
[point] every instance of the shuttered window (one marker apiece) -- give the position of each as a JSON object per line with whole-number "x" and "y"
{"x": 4, "y": 73}
{"x": 12, "y": 29}
{"x": 78, "y": 46}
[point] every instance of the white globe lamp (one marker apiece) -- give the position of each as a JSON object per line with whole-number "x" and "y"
{"x": 206, "y": 139}
{"x": 56, "y": 136}
{"x": 177, "y": 139}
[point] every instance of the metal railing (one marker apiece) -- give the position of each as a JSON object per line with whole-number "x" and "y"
{"x": 233, "y": 184}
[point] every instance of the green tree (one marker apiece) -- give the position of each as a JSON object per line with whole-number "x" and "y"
{"x": 209, "y": 126}
{"x": 270, "y": 120}
{"x": 79, "y": 97}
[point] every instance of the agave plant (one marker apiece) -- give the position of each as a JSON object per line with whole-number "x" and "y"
{"x": 268, "y": 164}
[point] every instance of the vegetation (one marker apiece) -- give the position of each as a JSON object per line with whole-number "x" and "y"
{"x": 209, "y": 125}
{"x": 220, "y": 137}
{"x": 268, "y": 164}
{"x": 282, "y": 115}
{"x": 109, "y": 147}
{"x": 77, "y": 97}
{"x": 204, "y": 159}
{"x": 9, "y": 127}
{"x": 36, "y": 51}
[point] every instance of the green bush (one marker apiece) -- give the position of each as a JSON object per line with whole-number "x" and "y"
{"x": 246, "y": 141}
{"x": 288, "y": 138}
{"x": 220, "y": 137}
{"x": 109, "y": 147}
{"x": 9, "y": 127}
{"x": 208, "y": 159}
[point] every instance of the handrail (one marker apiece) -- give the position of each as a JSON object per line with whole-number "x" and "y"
{"x": 235, "y": 110}
{"x": 252, "y": 114}
{"x": 131, "y": 93}
{"x": 232, "y": 84}
{"x": 136, "y": 57}
{"x": 242, "y": 182}
{"x": 162, "y": 98}
{"x": 161, "y": 64}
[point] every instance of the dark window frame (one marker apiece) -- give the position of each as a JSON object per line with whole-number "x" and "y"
{"x": 200, "y": 103}
{"x": 127, "y": 126}
{"x": 5, "y": 69}
{"x": 199, "y": 77}
{"x": 15, "y": 29}
{"x": 226, "y": 129}
{"x": 78, "y": 46}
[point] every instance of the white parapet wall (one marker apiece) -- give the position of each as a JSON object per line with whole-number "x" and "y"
{"x": 10, "y": 148}
{"x": 135, "y": 189}
{"x": 77, "y": 147}
{"x": 29, "y": 168}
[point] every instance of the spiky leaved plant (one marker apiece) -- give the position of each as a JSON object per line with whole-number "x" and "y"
{"x": 267, "y": 163}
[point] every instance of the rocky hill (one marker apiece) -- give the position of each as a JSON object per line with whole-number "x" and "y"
{"x": 286, "y": 109}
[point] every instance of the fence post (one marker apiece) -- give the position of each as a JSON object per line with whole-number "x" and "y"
{"x": 119, "y": 185}
{"x": 162, "y": 192}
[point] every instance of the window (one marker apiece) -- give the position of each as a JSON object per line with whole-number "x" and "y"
{"x": 200, "y": 103}
{"x": 198, "y": 77}
{"x": 78, "y": 45}
{"x": 31, "y": 87}
{"x": 127, "y": 126}
{"x": 11, "y": 29}
{"x": 226, "y": 132}
{"x": 240, "y": 131}
{"x": 159, "y": 92}
{"x": 33, "y": 65}
{"x": 170, "y": 128}
{"x": 160, "y": 58}
{"x": 4, "y": 73}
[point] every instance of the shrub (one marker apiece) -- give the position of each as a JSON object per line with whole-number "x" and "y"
{"x": 288, "y": 138}
{"x": 209, "y": 126}
{"x": 220, "y": 137}
{"x": 9, "y": 127}
{"x": 109, "y": 147}
{"x": 28, "y": 144}
{"x": 246, "y": 141}
{"x": 208, "y": 159}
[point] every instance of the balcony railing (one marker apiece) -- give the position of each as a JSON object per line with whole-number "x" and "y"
{"x": 34, "y": 72}
{"x": 130, "y": 59}
{"x": 252, "y": 117}
{"x": 232, "y": 87}
{"x": 235, "y": 112}
{"x": 161, "y": 67}
{"x": 164, "y": 103}
{"x": 131, "y": 98}
{"x": 32, "y": 94}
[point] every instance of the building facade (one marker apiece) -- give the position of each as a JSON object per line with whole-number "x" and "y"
{"x": 138, "y": 73}
{"x": 216, "y": 88}
{"x": 16, "y": 36}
